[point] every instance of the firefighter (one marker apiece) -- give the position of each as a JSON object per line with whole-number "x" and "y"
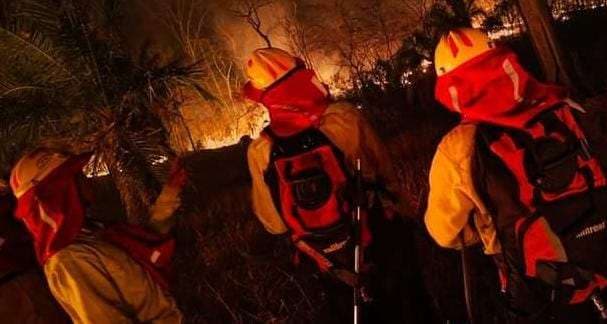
{"x": 24, "y": 296}
{"x": 520, "y": 175}
{"x": 303, "y": 163}
{"x": 97, "y": 274}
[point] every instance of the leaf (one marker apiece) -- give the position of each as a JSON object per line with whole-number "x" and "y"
{"x": 66, "y": 81}
{"x": 17, "y": 90}
{"x": 31, "y": 60}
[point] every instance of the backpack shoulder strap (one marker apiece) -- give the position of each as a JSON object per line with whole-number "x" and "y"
{"x": 493, "y": 183}
{"x": 483, "y": 138}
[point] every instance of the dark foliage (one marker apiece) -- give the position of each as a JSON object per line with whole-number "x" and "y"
{"x": 70, "y": 81}
{"x": 586, "y": 48}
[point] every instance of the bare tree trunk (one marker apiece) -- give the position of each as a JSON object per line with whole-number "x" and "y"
{"x": 550, "y": 54}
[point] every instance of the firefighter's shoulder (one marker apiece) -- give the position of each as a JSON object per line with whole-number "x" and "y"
{"x": 458, "y": 144}
{"x": 343, "y": 107}
{"x": 342, "y": 111}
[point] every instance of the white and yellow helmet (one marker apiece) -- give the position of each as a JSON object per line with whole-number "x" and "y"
{"x": 459, "y": 46}
{"x": 33, "y": 168}
{"x": 264, "y": 66}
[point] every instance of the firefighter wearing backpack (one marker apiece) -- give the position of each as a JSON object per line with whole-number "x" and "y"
{"x": 302, "y": 165}
{"x": 523, "y": 174}
{"x": 98, "y": 274}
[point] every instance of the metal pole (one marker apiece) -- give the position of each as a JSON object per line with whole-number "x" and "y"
{"x": 599, "y": 304}
{"x": 467, "y": 281}
{"x": 357, "y": 239}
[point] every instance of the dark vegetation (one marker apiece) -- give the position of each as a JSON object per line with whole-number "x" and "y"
{"x": 227, "y": 268}
{"x": 585, "y": 46}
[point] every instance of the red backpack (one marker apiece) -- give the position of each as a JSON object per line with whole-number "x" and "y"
{"x": 546, "y": 189}
{"x": 311, "y": 188}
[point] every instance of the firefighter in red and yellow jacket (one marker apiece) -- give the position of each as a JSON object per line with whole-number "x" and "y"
{"x": 303, "y": 163}
{"x": 522, "y": 174}
{"x": 98, "y": 275}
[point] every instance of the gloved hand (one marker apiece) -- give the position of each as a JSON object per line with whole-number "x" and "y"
{"x": 169, "y": 199}
{"x": 177, "y": 175}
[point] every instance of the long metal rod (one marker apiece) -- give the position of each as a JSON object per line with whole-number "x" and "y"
{"x": 467, "y": 280}
{"x": 357, "y": 240}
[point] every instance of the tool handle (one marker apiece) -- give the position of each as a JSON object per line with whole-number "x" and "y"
{"x": 599, "y": 304}
{"x": 467, "y": 280}
{"x": 358, "y": 200}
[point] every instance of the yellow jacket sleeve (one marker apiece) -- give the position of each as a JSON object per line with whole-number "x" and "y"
{"x": 352, "y": 134}
{"x": 263, "y": 206}
{"x": 97, "y": 283}
{"x": 453, "y": 199}
{"x": 162, "y": 212}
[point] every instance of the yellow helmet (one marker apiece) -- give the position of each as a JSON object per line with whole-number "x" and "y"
{"x": 459, "y": 46}
{"x": 33, "y": 168}
{"x": 268, "y": 65}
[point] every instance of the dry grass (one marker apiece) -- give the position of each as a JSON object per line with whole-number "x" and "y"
{"x": 228, "y": 269}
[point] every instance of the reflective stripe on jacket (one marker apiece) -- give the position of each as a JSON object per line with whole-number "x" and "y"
{"x": 453, "y": 199}
{"x": 349, "y": 132}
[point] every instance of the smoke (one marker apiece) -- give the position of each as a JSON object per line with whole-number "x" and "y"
{"x": 280, "y": 21}
{"x": 336, "y": 38}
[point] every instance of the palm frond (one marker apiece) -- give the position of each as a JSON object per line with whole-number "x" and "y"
{"x": 34, "y": 58}
{"x": 68, "y": 81}
{"x": 39, "y": 15}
